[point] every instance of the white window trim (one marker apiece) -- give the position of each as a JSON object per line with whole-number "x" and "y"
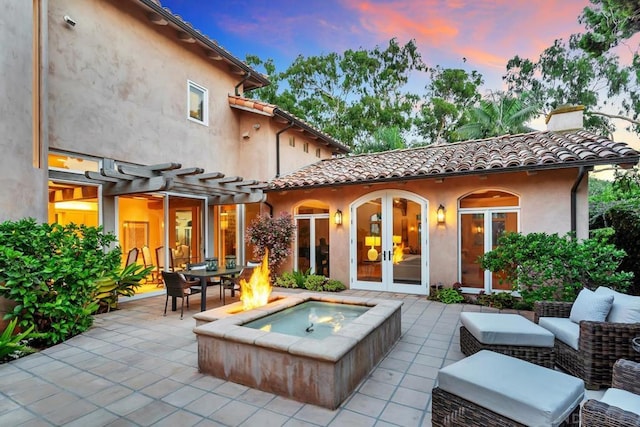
{"x": 205, "y": 103}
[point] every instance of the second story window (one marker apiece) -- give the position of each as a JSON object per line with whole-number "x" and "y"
{"x": 305, "y": 147}
{"x": 318, "y": 152}
{"x": 292, "y": 141}
{"x": 197, "y": 103}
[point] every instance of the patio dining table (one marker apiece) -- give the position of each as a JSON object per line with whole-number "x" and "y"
{"x": 204, "y": 276}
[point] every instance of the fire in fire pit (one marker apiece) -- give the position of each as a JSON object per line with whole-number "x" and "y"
{"x": 256, "y": 292}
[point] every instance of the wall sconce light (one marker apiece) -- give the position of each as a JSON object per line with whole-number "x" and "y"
{"x": 440, "y": 214}
{"x": 337, "y": 217}
{"x": 372, "y": 241}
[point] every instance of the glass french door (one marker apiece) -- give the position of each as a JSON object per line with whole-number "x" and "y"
{"x": 312, "y": 244}
{"x": 389, "y": 251}
{"x": 479, "y": 233}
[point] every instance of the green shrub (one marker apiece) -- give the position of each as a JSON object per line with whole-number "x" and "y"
{"x": 315, "y": 282}
{"x": 333, "y": 285}
{"x": 625, "y": 220}
{"x": 50, "y": 271}
{"x": 14, "y": 345}
{"x": 502, "y": 300}
{"x": 121, "y": 283}
{"x": 548, "y": 267}
{"x": 287, "y": 280}
{"x": 450, "y": 296}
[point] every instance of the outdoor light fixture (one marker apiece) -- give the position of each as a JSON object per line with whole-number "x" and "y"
{"x": 372, "y": 241}
{"x": 440, "y": 214}
{"x": 337, "y": 217}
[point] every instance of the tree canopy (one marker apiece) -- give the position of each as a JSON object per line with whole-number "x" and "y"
{"x": 363, "y": 98}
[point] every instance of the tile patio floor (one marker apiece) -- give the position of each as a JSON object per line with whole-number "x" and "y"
{"x": 135, "y": 367}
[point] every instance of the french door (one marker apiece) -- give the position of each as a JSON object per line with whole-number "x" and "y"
{"x": 389, "y": 249}
{"x": 479, "y": 233}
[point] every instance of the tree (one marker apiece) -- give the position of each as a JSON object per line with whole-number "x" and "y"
{"x": 449, "y": 94}
{"x": 497, "y": 114}
{"x": 350, "y": 95}
{"x": 608, "y": 23}
{"x": 383, "y": 139}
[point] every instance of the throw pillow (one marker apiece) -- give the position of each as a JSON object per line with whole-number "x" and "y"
{"x": 590, "y": 306}
{"x": 625, "y": 308}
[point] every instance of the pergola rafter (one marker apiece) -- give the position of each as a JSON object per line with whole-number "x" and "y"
{"x": 122, "y": 179}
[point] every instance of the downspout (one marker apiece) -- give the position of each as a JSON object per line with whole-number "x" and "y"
{"x": 582, "y": 171}
{"x": 278, "y": 147}
{"x": 245, "y": 78}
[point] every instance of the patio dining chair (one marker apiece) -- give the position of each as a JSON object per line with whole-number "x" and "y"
{"x": 132, "y": 257}
{"x": 232, "y": 283}
{"x": 178, "y": 286}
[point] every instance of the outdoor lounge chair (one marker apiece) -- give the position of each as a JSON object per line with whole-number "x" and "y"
{"x": 599, "y": 344}
{"x": 620, "y": 405}
{"x": 179, "y": 287}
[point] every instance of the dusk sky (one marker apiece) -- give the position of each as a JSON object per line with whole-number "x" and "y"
{"x": 485, "y": 32}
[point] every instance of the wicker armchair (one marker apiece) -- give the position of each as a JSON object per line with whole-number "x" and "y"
{"x": 600, "y": 345}
{"x": 626, "y": 376}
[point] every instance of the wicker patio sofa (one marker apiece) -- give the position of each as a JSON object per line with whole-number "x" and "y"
{"x": 600, "y": 345}
{"x": 604, "y": 412}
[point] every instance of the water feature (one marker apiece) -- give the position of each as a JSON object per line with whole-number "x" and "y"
{"x": 313, "y": 319}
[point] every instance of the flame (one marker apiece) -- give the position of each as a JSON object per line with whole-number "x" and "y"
{"x": 256, "y": 292}
{"x": 398, "y": 254}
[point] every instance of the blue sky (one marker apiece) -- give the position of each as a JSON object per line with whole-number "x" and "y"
{"x": 485, "y": 32}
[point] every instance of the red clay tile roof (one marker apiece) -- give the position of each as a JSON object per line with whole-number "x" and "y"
{"x": 530, "y": 151}
{"x": 272, "y": 110}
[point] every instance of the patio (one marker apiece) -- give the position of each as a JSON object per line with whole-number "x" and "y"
{"x": 136, "y": 367}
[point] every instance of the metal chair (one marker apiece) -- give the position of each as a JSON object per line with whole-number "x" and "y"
{"x": 233, "y": 282}
{"x": 178, "y": 286}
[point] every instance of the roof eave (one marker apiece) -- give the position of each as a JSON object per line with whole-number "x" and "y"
{"x": 256, "y": 81}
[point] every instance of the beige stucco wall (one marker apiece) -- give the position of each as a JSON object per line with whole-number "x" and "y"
{"x": 23, "y": 185}
{"x": 257, "y": 147}
{"x": 544, "y": 207}
{"x": 118, "y": 89}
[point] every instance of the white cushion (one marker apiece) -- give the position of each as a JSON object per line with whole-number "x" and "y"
{"x": 590, "y": 306}
{"x": 519, "y": 390}
{"x": 564, "y": 329}
{"x": 622, "y": 399}
{"x": 506, "y": 329}
{"x": 625, "y": 308}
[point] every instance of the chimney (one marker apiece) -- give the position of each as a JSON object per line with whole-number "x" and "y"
{"x": 565, "y": 119}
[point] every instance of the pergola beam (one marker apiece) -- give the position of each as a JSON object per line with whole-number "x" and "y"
{"x": 120, "y": 179}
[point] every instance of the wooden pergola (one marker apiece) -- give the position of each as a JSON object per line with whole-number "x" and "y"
{"x": 118, "y": 179}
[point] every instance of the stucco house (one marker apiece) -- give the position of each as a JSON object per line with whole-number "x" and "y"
{"x": 119, "y": 113}
{"x": 421, "y": 217}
